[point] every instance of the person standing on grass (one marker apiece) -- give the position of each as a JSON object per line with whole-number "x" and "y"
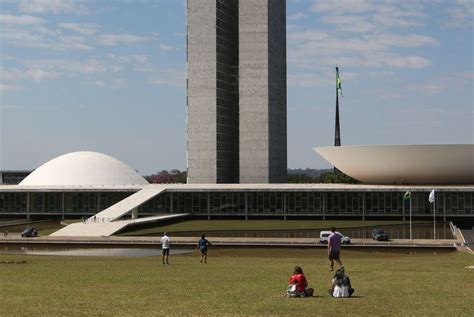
{"x": 202, "y": 246}
{"x": 165, "y": 247}
{"x": 334, "y": 248}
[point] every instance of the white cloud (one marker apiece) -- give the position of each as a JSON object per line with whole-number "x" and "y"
{"x": 461, "y": 14}
{"x": 360, "y": 33}
{"x": 10, "y": 74}
{"x": 19, "y": 37}
{"x": 115, "y": 39}
{"x": 37, "y": 74}
{"x": 135, "y": 59}
{"x": 71, "y": 67}
{"x": 118, "y": 62}
{"x": 52, "y": 6}
{"x": 365, "y": 15}
{"x": 350, "y": 23}
{"x": 82, "y": 28}
{"x": 43, "y": 38}
{"x": 343, "y": 6}
{"x": 296, "y": 16}
{"x": 20, "y": 19}
{"x": 318, "y": 78}
{"x": 438, "y": 85}
{"x": 404, "y": 40}
{"x": 71, "y": 43}
{"x": 90, "y": 66}
{"x": 9, "y": 106}
{"x": 308, "y": 35}
{"x": 169, "y": 77}
{"x": 167, "y": 48}
{"x": 5, "y": 88}
{"x": 99, "y": 83}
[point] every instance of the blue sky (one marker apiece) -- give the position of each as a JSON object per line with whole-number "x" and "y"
{"x": 109, "y": 76}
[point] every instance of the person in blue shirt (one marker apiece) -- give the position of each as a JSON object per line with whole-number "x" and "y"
{"x": 202, "y": 246}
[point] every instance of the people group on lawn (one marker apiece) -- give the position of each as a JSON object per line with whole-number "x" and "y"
{"x": 341, "y": 283}
{"x": 298, "y": 285}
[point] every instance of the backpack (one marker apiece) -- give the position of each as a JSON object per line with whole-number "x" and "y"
{"x": 291, "y": 291}
{"x": 341, "y": 278}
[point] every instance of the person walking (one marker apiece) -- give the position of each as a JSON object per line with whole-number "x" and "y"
{"x": 202, "y": 245}
{"x": 165, "y": 247}
{"x": 334, "y": 248}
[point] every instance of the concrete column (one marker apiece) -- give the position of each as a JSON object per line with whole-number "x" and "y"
{"x": 98, "y": 202}
{"x": 208, "y": 206}
{"x": 444, "y": 206}
{"x": 63, "y": 205}
{"x": 28, "y": 205}
{"x": 285, "y": 210}
{"x": 135, "y": 213}
{"x": 171, "y": 203}
{"x": 403, "y": 205}
{"x": 324, "y": 205}
{"x": 363, "y": 206}
{"x": 246, "y": 206}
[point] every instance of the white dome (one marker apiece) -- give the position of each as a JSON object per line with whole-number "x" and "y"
{"x": 83, "y": 169}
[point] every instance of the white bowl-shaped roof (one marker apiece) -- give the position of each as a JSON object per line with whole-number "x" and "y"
{"x": 83, "y": 169}
{"x": 404, "y": 164}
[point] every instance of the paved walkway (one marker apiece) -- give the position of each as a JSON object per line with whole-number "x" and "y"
{"x": 231, "y": 242}
{"x": 469, "y": 237}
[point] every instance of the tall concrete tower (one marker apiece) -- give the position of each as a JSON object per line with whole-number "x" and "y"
{"x": 236, "y": 91}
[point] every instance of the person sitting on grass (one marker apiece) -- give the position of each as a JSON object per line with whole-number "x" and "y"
{"x": 202, "y": 246}
{"x": 341, "y": 284}
{"x": 299, "y": 285}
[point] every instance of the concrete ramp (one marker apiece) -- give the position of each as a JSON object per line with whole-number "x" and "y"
{"x": 106, "y": 222}
{"x": 126, "y": 205}
{"x": 82, "y": 229}
{"x": 104, "y": 229}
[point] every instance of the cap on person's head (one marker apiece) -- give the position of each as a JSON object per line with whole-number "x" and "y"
{"x": 333, "y": 229}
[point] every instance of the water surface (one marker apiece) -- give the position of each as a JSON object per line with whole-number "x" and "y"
{"x": 68, "y": 251}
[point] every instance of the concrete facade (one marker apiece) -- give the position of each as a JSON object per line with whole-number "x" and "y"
{"x": 236, "y": 91}
{"x": 212, "y": 91}
{"x": 262, "y": 90}
{"x": 245, "y": 200}
{"x": 201, "y": 91}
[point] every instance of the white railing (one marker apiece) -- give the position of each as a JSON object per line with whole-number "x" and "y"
{"x": 453, "y": 229}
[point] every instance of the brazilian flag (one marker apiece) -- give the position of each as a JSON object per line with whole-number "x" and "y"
{"x": 407, "y": 195}
{"x": 338, "y": 82}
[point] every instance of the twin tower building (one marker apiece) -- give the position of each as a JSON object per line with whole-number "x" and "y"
{"x": 236, "y": 91}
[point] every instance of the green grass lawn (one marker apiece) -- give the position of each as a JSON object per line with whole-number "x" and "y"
{"x": 211, "y": 225}
{"x": 235, "y": 282}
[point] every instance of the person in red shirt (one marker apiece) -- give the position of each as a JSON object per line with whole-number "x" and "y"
{"x": 301, "y": 284}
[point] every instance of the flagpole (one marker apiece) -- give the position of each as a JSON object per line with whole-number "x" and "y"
{"x": 337, "y": 135}
{"x": 434, "y": 218}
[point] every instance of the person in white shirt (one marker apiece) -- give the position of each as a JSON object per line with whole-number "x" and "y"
{"x": 341, "y": 284}
{"x": 165, "y": 248}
